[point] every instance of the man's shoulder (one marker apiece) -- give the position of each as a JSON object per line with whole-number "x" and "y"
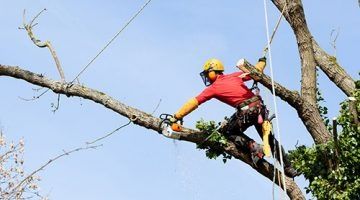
{"x": 234, "y": 74}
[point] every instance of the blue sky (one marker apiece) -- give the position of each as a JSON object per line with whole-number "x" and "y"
{"x": 159, "y": 56}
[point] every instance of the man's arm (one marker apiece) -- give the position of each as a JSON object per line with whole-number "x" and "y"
{"x": 187, "y": 108}
{"x": 193, "y": 103}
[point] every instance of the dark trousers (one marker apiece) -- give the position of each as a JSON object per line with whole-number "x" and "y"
{"x": 242, "y": 120}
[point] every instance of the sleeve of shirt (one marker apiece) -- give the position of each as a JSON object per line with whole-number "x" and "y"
{"x": 246, "y": 78}
{"x": 205, "y": 95}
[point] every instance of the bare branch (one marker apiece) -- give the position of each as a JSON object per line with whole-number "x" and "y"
{"x": 37, "y": 42}
{"x": 157, "y": 106}
{"x": 33, "y": 20}
{"x": 57, "y": 105}
{"x": 66, "y": 153}
{"x": 107, "y": 135}
{"x": 35, "y": 97}
{"x": 333, "y": 39}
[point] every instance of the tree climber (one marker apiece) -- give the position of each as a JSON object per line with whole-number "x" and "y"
{"x": 230, "y": 89}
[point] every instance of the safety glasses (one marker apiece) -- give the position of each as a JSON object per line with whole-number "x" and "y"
{"x": 205, "y": 78}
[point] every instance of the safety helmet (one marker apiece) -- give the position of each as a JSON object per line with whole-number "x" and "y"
{"x": 211, "y": 68}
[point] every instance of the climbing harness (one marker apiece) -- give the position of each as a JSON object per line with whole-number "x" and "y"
{"x": 112, "y": 40}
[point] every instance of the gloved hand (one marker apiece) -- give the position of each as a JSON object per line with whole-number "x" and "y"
{"x": 261, "y": 64}
{"x": 173, "y": 119}
{"x": 262, "y": 59}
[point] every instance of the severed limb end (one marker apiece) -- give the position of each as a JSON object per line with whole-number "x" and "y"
{"x": 246, "y": 67}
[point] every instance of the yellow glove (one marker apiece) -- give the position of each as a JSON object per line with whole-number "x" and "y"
{"x": 187, "y": 108}
{"x": 266, "y": 128}
{"x": 261, "y": 64}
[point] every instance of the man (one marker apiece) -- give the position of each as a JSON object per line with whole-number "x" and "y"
{"x": 231, "y": 89}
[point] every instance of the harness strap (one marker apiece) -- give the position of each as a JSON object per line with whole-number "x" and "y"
{"x": 248, "y": 102}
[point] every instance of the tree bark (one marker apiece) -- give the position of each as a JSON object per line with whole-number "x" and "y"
{"x": 143, "y": 119}
{"x": 329, "y": 65}
{"x": 294, "y": 14}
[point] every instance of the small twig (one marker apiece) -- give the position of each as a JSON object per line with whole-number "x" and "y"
{"x": 333, "y": 41}
{"x": 56, "y": 107}
{"x": 33, "y": 20}
{"x": 36, "y": 97}
{"x": 50, "y": 161}
{"x": 34, "y": 25}
{"x": 37, "y": 89}
{"x": 157, "y": 106}
{"x": 37, "y": 42}
{"x": 297, "y": 144}
{"x": 107, "y": 135}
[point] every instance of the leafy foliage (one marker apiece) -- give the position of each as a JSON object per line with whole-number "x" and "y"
{"x": 323, "y": 110}
{"x": 331, "y": 176}
{"x": 215, "y": 138}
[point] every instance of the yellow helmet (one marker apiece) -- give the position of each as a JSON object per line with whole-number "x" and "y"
{"x": 213, "y": 64}
{"x": 212, "y": 67}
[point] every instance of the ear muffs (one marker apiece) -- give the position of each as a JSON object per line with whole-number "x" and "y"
{"x": 212, "y": 75}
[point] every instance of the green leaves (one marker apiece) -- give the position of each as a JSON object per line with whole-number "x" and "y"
{"x": 214, "y": 138}
{"x": 331, "y": 176}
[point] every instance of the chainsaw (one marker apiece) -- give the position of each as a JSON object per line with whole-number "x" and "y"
{"x": 168, "y": 128}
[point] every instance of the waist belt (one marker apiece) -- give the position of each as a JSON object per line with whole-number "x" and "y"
{"x": 249, "y": 103}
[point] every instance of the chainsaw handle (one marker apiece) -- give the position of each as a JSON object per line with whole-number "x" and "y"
{"x": 164, "y": 116}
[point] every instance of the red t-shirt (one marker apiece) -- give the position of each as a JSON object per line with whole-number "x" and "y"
{"x": 229, "y": 89}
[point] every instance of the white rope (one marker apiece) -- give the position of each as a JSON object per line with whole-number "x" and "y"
{"x": 274, "y": 99}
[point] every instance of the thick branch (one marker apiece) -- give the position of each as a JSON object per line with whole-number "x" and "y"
{"x": 140, "y": 118}
{"x": 329, "y": 65}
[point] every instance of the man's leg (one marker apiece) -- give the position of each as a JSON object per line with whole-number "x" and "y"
{"x": 235, "y": 132}
{"x": 274, "y": 145}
